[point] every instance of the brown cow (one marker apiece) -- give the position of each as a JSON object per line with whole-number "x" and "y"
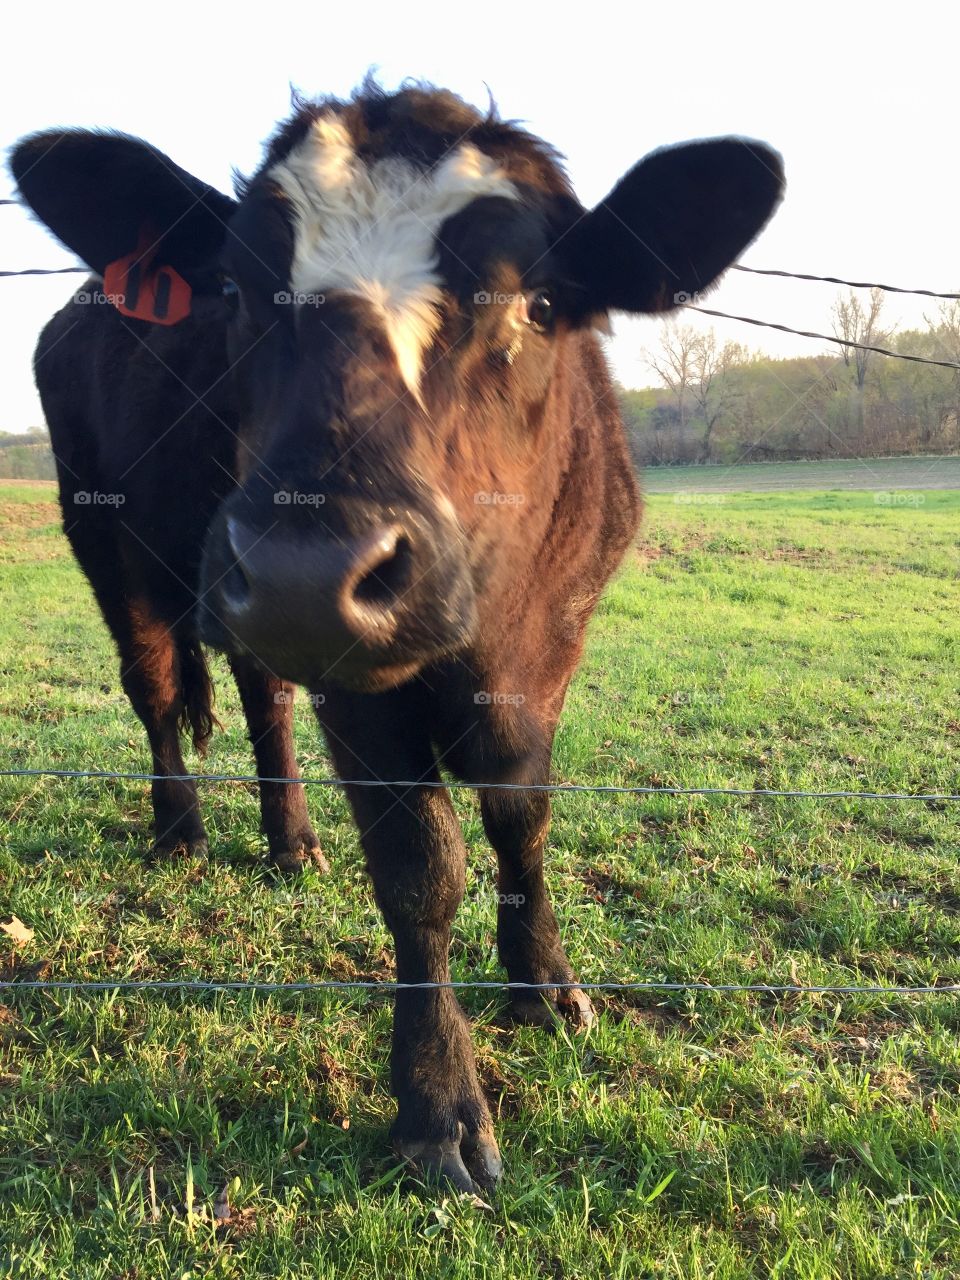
{"x": 355, "y": 428}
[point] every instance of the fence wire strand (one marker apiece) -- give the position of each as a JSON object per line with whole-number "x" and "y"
{"x": 47, "y": 271}
{"x": 823, "y": 337}
{"x": 853, "y": 284}
{"x": 199, "y": 984}
{"x": 555, "y": 788}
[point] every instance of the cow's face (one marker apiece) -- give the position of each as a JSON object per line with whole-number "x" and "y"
{"x": 407, "y": 286}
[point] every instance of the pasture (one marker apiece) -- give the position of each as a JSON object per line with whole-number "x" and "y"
{"x": 890, "y": 475}
{"x": 794, "y": 639}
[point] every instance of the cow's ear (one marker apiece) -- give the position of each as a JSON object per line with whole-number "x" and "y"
{"x": 118, "y": 202}
{"x": 671, "y": 226}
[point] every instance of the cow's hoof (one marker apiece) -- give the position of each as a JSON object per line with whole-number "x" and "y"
{"x": 470, "y": 1163}
{"x": 173, "y": 847}
{"x": 299, "y": 853}
{"x": 548, "y": 1008}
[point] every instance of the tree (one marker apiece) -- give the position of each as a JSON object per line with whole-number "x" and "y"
{"x": 673, "y": 363}
{"x": 945, "y": 331}
{"x": 853, "y": 323}
{"x": 712, "y": 387}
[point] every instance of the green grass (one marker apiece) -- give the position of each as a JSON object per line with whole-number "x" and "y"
{"x": 923, "y": 472}
{"x": 805, "y": 640}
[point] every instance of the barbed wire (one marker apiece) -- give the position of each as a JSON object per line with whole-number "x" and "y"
{"x": 824, "y": 337}
{"x": 552, "y": 787}
{"x": 853, "y": 284}
{"x": 756, "y": 271}
{"x": 199, "y": 984}
{"x": 707, "y": 311}
{"x": 48, "y": 271}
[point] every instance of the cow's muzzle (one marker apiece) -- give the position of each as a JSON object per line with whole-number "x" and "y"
{"x": 366, "y": 607}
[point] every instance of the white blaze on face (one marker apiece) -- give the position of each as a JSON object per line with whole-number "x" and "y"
{"x": 370, "y": 229}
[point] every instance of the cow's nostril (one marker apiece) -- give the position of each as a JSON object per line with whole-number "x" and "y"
{"x": 385, "y": 576}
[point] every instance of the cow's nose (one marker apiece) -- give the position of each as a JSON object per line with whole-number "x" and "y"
{"x": 344, "y": 590}
{"x": 363, "y": 602}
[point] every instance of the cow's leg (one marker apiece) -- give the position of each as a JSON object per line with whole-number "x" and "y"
{"x": 152, "y": 671}
{"x": 268, "y": 706}
{"x": 528, "y": 939}
{"x": 164, "y": 675}
{"x": 416, "y": 858}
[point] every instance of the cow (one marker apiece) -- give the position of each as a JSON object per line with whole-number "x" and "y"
{"x": 354, "y": 427}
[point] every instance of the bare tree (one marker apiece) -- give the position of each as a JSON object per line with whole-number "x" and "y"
{"x": 855, "y": 323}
{"x": 673, "y": 363}
{"x": 712, "y": 387}
{"x": 945, "y": 329}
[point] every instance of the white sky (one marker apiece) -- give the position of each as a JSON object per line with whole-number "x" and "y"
{"x": 861, "y": 101}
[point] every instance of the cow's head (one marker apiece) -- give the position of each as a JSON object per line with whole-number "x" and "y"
{"x": 407, "y": 285}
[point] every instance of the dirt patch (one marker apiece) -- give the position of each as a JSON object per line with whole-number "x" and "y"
{"x": 28, "y": 515}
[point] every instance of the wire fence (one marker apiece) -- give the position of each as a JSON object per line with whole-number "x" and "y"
{"x": 824, "y": 337}
{"x": 725, "y": 315}
{"x": 556, "y": 788}
{"x": 387, "y": 987}
{"x": 48, "y": 271}
{"x": 268, "y": 988}
{"x": 853, "y": 284}
{"x": 263, "y": 987}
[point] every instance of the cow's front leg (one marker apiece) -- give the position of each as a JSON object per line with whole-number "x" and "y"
{"x": 528, "y": 938}
{"x": 268, "y": 706}
{"x": 416, "y": 858}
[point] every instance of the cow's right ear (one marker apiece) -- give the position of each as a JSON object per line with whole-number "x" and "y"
{"x": 671, "y": 226}
{"x": 112, "y": 198}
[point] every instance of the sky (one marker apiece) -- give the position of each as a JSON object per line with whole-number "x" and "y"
{"x": 862, "y": 108}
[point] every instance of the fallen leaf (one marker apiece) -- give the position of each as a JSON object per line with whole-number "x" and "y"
{"x": 474, "y": 1201}
{"x": 238, "y": 1221}
{"x": 17, "y": 930}
{"x": 221, "y": 1206}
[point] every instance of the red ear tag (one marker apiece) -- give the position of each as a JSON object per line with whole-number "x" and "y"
{"x": 140, "y": 289}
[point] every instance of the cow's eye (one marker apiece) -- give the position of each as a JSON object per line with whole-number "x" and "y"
{"x": 539, "y": 310}
{"x": 231, "y": 292}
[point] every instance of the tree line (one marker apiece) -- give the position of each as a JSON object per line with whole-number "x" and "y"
{"x": 26, "y": 456}
{"x": 719, "y": 402}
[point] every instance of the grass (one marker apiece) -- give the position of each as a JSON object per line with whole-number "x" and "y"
{"x": 890, "y": 474}
{"x": 793, "y": 639}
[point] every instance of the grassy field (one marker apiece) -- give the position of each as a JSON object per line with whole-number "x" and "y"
{"x": 771, "y": 640}
{"x": 878, "y": 474}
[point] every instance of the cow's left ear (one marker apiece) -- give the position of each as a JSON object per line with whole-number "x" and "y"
{"x": 671, "y": 226}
